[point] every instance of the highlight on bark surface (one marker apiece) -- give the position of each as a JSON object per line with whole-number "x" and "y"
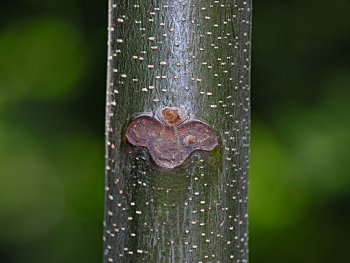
{"x": 170, "y": 146}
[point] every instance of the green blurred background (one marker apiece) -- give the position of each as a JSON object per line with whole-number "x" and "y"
{"x": 52, "y": 94}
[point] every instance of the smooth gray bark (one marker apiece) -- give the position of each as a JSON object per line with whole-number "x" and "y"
{"x": 193, "y": 55}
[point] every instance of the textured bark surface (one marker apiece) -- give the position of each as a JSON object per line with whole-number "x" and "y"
{"x": 193, "y": 55}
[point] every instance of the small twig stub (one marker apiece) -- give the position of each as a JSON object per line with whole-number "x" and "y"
{"x": 171, "y": 141}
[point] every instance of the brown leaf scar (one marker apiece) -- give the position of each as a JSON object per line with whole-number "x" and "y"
{"x": 171, "y": 137}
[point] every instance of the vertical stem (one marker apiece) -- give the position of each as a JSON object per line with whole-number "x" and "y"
{"x": 194, "y": 55}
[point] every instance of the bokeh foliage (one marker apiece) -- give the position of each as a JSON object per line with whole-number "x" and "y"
{"x": 52, "y": 84}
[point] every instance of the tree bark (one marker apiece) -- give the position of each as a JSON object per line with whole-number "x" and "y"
{"x": 190, "y": 56}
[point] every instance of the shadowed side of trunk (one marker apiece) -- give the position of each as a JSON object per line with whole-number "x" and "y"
{"x": 188, "y": 56}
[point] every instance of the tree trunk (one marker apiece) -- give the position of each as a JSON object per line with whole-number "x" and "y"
{"x": 177, "y": 131}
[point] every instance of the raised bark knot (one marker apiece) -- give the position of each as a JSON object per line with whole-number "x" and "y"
{"x": 170, "y": 136}
{"x": 171, "y": 116}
